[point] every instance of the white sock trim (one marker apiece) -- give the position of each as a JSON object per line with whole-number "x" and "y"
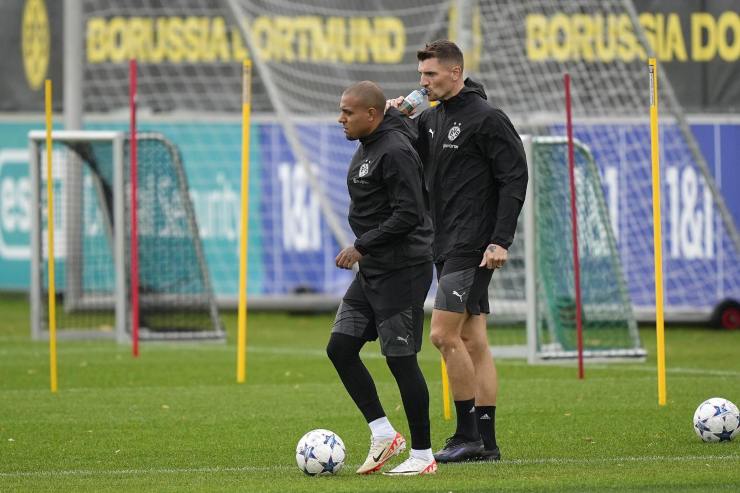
{"x": 425, "y": 454}
{"x": 382, "y": 428}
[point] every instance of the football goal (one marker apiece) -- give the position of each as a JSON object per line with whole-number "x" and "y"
{"x": 92, "y": 201}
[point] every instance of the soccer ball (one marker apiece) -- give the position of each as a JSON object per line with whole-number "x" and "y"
{"x": 717, "y": 420}
{"x": 320, "y": 452}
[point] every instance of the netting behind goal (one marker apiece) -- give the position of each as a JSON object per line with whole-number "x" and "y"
{"x": 306, "y": 52}
{"x": 609, "y": 326}
{"x": 92, "y": 231}
{"x": 176, "y": 297}
{"x": 84, "y": 245}
{"x": 520, "y": 51}
{"x": 189, "y": 57}
{"x": 611, "y": 101}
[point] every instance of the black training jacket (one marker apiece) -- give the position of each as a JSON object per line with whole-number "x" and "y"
{"x": 387, "y": 212}
{"x": 475, "y": 173}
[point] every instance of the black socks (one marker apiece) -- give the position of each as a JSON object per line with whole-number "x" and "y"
{"x": 467, "y": 426}
{"x": 486, "y": 417}
{"x": 474, "y": 422}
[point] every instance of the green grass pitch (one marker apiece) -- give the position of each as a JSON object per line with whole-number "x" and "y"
{"x": 175, "y": 420}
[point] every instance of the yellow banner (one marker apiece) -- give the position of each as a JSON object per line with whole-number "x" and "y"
{"x": 193, "y": 39}
{"x": 606, "y": 38}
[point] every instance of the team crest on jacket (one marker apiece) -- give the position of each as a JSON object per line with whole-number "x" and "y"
{"x": 364, "y": 168}
{"x": 454, "y": 131}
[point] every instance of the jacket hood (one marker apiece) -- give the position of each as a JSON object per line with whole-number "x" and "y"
{"x": 393, "y": 121}
{"x": 470, "y": 89}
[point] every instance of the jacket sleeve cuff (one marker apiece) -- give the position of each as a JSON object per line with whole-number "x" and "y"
{"x": 501, "y": 242}
{"x": 360, "y": 248}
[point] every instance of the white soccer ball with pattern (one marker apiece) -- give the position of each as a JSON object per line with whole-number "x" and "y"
{"x": 717, "y": 420}
{"x": 320, "y": 452}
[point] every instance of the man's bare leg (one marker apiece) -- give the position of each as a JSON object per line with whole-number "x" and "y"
{"x": 446, "y": 336}
{"x": 475, "y": 337}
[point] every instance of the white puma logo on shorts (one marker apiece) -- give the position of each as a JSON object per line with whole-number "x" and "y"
{"x": 404, "y": 339}
{"x": 458, "y": 295}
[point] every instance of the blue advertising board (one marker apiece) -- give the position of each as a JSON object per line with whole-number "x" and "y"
{"x": 292, "y": 248}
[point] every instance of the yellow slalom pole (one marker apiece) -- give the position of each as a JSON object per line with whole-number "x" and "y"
{"x": 241, "y": 345}
{"x": 657, "y": 236}
{"x": 50, "y": 229}
{"x": 445, "y": 391}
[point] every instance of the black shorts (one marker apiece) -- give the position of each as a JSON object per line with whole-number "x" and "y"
{"x": 462, "y": 285}
{"x": 389, "y": 306}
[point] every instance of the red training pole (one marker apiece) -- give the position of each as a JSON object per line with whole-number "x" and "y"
{"x": 574, "y": 222}
{"x": 134, "y": 219}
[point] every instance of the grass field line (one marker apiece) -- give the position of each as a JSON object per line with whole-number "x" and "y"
{"x": 283, "y": 467}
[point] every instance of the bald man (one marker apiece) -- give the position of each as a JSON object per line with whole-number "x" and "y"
{"x": 386, "y": 299}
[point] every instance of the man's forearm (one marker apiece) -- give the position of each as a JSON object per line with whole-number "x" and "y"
{"x": 506, "y": 220}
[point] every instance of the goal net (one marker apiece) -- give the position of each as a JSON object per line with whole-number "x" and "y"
{"x": 305, "y": 53}
{"x": 609, "y": 326}
{"x": 189, "y": 56}
{"x": 92, "y": 228}
{"x": 310, "y": 51}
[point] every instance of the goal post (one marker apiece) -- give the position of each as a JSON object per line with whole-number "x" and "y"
{"x": 176, "y": 297}
{"x": 112, "y": 298}
{"x": 609, "y": 324}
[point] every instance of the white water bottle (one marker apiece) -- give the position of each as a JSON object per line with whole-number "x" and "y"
{"x": 413, "y": 100}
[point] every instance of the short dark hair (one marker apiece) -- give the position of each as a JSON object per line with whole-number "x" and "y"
{"x": 444, "y": 50}
{"x": 369, "y": 93}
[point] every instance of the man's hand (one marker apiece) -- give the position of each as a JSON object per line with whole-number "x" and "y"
{"x": 347, "y": 258}
{"x": 393, "y": 103}
{"x": 494, "y": 257}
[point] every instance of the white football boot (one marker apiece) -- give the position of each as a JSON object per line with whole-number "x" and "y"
{"x": 413, "y": 467}
{"x": 380, "y": 451}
